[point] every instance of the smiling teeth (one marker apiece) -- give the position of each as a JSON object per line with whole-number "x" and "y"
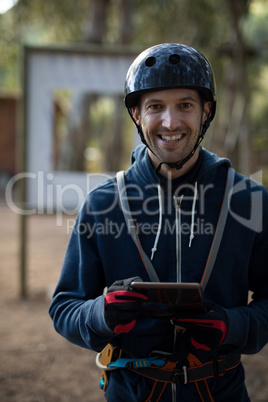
{"x": 171, "y": 138}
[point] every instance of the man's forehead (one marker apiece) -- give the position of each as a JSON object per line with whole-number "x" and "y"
{"x": 173, "y": 93}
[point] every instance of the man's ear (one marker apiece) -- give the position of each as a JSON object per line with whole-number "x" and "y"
{"x": 206, "y": 111}
{"x": 136, "y": 115}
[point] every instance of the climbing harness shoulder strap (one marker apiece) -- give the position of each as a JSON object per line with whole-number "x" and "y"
{"x": 220, "y": 228}
{"x": 131, "y": 226}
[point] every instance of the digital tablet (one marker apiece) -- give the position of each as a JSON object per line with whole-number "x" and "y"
{"x": 166, "y": 299}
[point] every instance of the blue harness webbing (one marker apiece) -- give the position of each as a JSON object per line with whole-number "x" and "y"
{"x": 138, "y": 363}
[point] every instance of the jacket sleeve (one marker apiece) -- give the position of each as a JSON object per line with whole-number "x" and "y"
{"x": 248, "y": 325}
{"x": 77, "y": 307}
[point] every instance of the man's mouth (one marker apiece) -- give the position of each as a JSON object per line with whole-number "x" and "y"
{"x": 171, "y": 138}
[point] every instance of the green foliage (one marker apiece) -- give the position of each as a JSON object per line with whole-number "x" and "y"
{"x": 255, "y": 27}
{"x": 175, "y": 21}
{"x": 37, "y": 22}
{"x": 198, "y": 22}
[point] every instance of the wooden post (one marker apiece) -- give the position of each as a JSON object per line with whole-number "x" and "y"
{"x": 23, "y": 188}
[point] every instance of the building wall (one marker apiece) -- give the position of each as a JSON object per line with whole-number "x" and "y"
{"x": 8, "y": 127}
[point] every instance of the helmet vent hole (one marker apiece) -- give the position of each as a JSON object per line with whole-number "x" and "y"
{"x": 150, "y": 61}
{"x": 174, "y": 59}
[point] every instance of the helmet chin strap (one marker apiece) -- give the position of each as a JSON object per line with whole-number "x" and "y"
{"x": 180, "y": 164}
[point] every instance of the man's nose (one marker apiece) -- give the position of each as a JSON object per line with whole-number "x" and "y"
{"x": 171, "y": 119}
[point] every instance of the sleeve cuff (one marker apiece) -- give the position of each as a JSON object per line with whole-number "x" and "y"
{"x": 96, "y": 320}
{"x": 236, "y": 328}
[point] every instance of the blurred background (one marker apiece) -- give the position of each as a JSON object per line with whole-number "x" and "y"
{"x": 35, "y": 363}
{"x": 233, "y": 34}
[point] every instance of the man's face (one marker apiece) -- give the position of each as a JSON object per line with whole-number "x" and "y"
{"x": 171, "y": 121}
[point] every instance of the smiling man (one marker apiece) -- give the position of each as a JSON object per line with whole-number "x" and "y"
{"x": 186, "y": 219}
{"x": 171, "y": 121}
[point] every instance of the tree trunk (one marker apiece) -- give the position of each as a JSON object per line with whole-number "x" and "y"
{"x": 239, "y": 122}
{"x": 96, "y": 23}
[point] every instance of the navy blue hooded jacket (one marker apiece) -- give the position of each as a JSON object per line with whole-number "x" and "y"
{"x": 101, "y": 251}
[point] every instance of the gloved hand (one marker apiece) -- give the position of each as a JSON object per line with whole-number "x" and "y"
{"x": 207, "y": 330}
{"x": 122, "y": 305}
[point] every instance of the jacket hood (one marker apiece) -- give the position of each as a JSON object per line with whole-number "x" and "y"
{"x": 146, "y": 171}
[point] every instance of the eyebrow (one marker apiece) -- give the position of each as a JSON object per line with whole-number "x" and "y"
{"x": 159, "y": 100}
{"x": 189, "y": 98}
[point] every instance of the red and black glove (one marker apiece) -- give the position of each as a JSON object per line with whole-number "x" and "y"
{"x": 208, "y": 330}
{"x": 122, "y": 305}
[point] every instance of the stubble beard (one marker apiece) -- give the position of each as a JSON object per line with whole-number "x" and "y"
{"x": 174, "y": 156}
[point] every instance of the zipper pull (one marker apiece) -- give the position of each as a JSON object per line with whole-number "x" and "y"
{"x": 178, "y": 201}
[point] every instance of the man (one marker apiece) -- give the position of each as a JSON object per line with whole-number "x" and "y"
{"x": 185, "y": 221}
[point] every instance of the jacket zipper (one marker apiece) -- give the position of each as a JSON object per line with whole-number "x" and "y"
{"x": 178, "y": 201}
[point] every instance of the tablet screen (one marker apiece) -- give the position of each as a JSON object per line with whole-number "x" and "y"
{"x": 165, "y": 299}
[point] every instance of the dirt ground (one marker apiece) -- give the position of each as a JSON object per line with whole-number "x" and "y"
{"x": 37, "y": 364}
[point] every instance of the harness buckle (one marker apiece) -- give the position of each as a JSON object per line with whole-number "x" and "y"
{"x": 219, "y": 367}
{"x": 109, "y": 354}
{"x": 180, "y": 376}
{"x": 185, "y": 374}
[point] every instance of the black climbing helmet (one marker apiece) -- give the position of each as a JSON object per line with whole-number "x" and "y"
{"x": 170, "y": 65}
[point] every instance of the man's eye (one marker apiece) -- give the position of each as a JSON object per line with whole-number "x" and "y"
{"x": 186, "y": 105}
{"x": 155, "y": 106}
